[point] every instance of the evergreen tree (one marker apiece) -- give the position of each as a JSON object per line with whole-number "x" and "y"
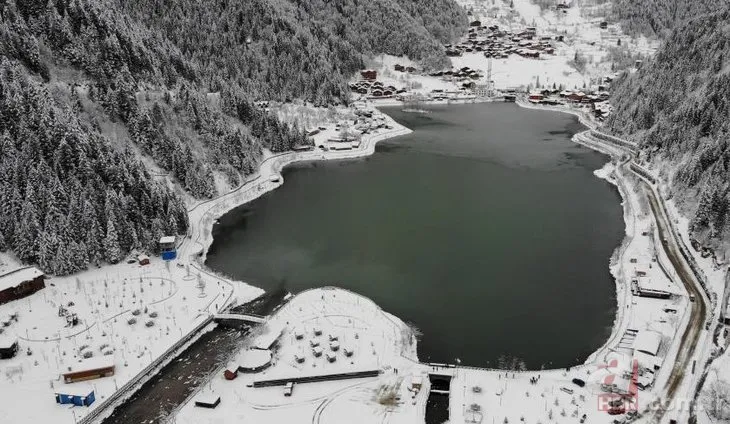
{"x": 112, "y": 251}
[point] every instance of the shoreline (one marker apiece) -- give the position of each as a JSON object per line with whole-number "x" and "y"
{"x": 204, "y": 214}
{"x": 629, "y": 217}
{"x": 268, "y": 178}
{"x": 694, "y": 284}
{"x": 272, "y": 166}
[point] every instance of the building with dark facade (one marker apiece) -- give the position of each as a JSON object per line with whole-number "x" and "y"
{"x": 20, "y": 283}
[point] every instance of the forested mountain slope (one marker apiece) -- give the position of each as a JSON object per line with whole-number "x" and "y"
{"x": 677, "y": 106}
{"x": 92, "y": 88}
{"x": 283, "y": 49}
{"x": 68, "y": 198}
{"x": 660, "y": 17}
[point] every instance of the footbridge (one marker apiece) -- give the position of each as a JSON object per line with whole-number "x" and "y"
{"x": 248, "y": 318}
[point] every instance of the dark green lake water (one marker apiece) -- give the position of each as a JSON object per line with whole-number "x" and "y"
{"x": 485, "y": 227}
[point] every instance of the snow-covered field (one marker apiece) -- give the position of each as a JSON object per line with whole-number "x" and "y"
{"x": 377, "y": 340}
{"x": 165, "y": 302}
{"x": 104, "y": 299}
{"x": 178, "y": 292}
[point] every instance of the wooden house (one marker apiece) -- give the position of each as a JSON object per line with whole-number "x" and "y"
{"x": 576, "y": 97}
{"x": 230, "y": 374}
{"x": 369, "y": 74}
{"x": 535, "y": 97}
{"x": 20, "y": 283}
{"x": 8, "y": 347}
{"x": 89, "y": 369}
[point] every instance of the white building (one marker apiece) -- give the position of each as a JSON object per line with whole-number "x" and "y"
{"x": 481, "y": 90}
{"x": 648, "y": 342}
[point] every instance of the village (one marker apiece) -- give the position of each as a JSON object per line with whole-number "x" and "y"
{"x": 488, "y": 52}
{"x": 324, "y": 351}
{"x": 497, "y": 43}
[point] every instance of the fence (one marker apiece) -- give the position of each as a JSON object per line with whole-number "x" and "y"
{"x": 615, "y": 140}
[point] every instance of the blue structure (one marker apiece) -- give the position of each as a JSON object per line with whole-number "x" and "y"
{"x": 80, "y": 396}
{"x": 168, "y": 250}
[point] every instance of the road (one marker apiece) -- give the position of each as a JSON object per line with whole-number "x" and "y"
{"x": 691, "y": 281}
{"x": 698, "y": 312}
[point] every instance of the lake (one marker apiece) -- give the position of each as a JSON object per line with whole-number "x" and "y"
{"x": 485, "y": 228}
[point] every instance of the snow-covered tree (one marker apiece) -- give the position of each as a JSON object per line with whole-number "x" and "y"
{"x": 112, "y": 251}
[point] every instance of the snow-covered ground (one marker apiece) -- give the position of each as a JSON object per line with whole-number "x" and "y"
{"x": 713, "y": 402}
{"x": 164, "y": 301}
{"x": 324, "y": 317}
{"x": 537, "y": 396}
{"x": 582, "y": 38}
{"x": 104, "y": 300}
{"x": 580, "y": 26}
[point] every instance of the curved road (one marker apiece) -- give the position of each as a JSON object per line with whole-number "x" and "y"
{"x": 691, "y": 281}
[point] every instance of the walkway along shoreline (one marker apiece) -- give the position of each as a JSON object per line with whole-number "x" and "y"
{"x": 203, "y": 215}
{"x": 683, "y": 262}
{"x": 207, "y": 212}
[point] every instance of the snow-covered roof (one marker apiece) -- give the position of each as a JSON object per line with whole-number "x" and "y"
{"x": 7, "y": 341}
{"x": 94, "y": 363}
{"x": 76, "y": 389}
{"x": 652, "y": 284}
{"x": 645, "y": 380}
{"x": 18, "y": 275}
{"x": 648, "y": 342}
{"x": 648, "y": 361}
{"x": 623, "y": 385}
{"x": 254, "y": 358}
{"x": 265, "y": 341}
{"x": 207, "y": 397}
{"x": 167, "y": 240}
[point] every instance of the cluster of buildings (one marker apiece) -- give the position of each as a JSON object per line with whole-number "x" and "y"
{"x": 347, "y": 134}
{"x": 367, "y": 121}
{"x": 494, "y": 42}
{"x": 461, "y": 74}
{"x": 402, "y": 68}
{"x": 568, "y": 96}
{"x": 597, "y": 99}
{"x": 319, "y": 346}
{"x": 369, "y": 86}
